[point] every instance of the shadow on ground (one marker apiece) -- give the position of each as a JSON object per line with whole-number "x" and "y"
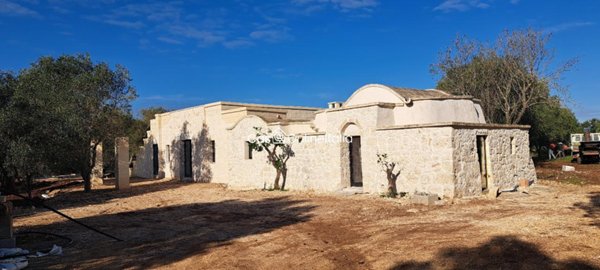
{"x": 159, "y": 236}
{"x": 77, "y": 198}
{"x": 591, "y": 208}
{"x": 501, "y": 252}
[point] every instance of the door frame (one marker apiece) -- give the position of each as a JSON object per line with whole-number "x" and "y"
{"x": 483, "y": 159}
{"x": 187, "y": 158}
{"x": 155, "y": 160}
{"x": 353, "y": 163}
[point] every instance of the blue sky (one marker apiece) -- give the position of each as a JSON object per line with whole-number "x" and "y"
{"x": 289, "y": 52}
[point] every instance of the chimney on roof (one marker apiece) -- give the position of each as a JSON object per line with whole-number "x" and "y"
{"x": 334, "y": 104}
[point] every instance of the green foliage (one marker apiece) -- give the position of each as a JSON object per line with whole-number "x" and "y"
{"x": 278, "y": 148}
{"x": 149, "y": 113}
{"x": 550, "y": 122}
{"x": 593, "y": 124}
{"x": 56, "y": 113}
{"x": 133, "y": 128}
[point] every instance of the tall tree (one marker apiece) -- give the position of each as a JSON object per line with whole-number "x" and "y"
{"x": 137, "y": 128}
{"x": 509, "y": 76}
{"x": 149, "y": 113}
{"x": 7, "y": 84}
{"x": 550, "y": 122}
{"x": 63, "y": 108}
{"x": 593, "y": 124}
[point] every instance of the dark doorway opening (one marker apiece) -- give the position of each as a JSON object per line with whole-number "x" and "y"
{"x": 355, "y": 162}
{"x": 187, "y": 158}
{"x": 155, "y": 159}
{"x": 482, "y": 155}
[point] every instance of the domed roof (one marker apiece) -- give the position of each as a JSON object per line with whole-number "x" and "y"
{"x": 417, "y": 93}
{"x": 371, "y": 93}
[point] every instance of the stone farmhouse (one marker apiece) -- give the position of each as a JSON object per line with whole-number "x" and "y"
{"x": 442, "y": 144}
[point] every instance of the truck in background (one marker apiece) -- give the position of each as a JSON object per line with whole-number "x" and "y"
{"x": 585, "y": 147}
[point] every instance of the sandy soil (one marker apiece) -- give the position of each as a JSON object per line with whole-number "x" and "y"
{"x": 166, "y": 224}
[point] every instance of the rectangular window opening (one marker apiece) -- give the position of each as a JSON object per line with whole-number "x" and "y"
{"x": 168, "y": 153}
{"x": 248, "y": 152}
{"x": 213, "y": 150}
{"x": 513, "y": 146}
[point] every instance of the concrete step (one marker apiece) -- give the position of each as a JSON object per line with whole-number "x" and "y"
{"x": 351, "y": 191}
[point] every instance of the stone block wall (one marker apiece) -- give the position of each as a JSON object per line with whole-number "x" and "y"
{"x": 316, "y": 165}
{"x": 423, "y": 154}
{"x": 509, "y": 161}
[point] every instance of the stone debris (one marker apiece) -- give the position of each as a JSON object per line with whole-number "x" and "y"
{"x": 424, "y": 199}
{"x": 523, "y": 183}
{"x": 567, "y": 168}
{"x": 493, "y": 193}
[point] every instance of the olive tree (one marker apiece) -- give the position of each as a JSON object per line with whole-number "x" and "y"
{"x": 61, "y": 109}
{"x": 509, "y": 76}
{"x": 389, "y": 167}
{"x": 279, "y": 151}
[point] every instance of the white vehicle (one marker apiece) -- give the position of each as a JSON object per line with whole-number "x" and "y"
{"x": 577, "y": 138}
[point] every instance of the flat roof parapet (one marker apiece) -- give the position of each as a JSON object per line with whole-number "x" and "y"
{"x": 457, "y": 125}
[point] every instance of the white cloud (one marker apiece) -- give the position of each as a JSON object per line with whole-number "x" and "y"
{"x": 342, "y": 5}
{"x": 126, "y": 24}
{"x": 237, "y": 43}
{"x": 176, "y": 23}
{"x": 354, "y": 4}
{"x": 14, "y": 9}
{"x": 566, "y": 26}
{"x": 204, "y": 37}
{"x": 271, "y": 35}
{"x": 461, "y": 5}
{"x": 170, "y": 40}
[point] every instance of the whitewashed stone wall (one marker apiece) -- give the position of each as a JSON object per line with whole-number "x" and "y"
{"x": 310, "y": 169}
{"x": 423, "y": 154}
{"x": 243, "y": 172}
{"x": 316, "y": 165}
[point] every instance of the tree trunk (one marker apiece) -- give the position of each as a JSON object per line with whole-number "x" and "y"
{"x": 392, "y": 191}
{"x": 29, "y": 183}
{"x": 87, "y": 183}
{"x": 276, "y": 185}
{"x": 284, "y": 174}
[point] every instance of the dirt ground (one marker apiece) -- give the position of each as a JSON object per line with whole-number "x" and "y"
{"x": 584, "y": 174}
{"x": 166, "y": 224}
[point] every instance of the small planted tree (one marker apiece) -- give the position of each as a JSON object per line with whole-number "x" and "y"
{"x": 389, "y": 167}
{"x": 279, "y": 151}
